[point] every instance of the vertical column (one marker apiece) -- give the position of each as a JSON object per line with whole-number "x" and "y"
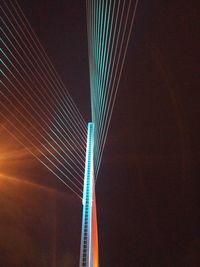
{"x": 89, "y": 236}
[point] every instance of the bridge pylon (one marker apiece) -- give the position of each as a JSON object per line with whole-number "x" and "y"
{"x": 89, "y": 237}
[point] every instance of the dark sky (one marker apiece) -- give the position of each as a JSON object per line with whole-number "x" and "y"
{"x": 148, "y": 185}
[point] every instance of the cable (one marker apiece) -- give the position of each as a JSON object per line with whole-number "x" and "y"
{"x": 38, "y": 46}
{"x": 35, "y": 111}
{"x": 31, "y": 134}
{"x": 119, "y": 76}
{"x": 42, "y": 162}
{"x": 108, "y": 60}
{"x": 33, "y": 59}
{"x": 36, "y": 88}
{"x": 39, "y": 150}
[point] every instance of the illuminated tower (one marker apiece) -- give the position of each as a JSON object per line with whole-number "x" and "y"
{"x": 89, "y": 236}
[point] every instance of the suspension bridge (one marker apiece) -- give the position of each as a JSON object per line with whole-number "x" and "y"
{"x": 39, "y": 113}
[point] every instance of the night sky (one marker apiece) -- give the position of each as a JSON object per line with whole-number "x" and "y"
{"x": 148, "y": 185}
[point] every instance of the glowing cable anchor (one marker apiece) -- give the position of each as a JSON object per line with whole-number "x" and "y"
{"x": 89, "y": 238}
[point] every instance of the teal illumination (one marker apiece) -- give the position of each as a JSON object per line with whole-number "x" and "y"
{"x": 86, "y": 237}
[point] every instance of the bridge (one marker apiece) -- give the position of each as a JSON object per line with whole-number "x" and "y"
{"x": 39, "y": 113}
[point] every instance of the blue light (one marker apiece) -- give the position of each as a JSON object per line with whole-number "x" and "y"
{"x": 87, "y": 255}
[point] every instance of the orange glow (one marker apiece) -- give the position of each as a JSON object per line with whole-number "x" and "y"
{"x": 18, "y": 165}
{"x": 95, "y": 247}
{"x": 6, "y": 179}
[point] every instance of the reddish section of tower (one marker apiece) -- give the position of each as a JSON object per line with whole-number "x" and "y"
{"x": 95, "y": 248}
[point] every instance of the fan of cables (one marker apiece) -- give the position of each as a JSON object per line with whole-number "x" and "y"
{"x": 109, "y": 26}
{"x": 35, "y": 106}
